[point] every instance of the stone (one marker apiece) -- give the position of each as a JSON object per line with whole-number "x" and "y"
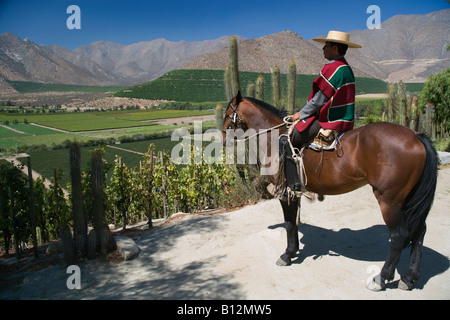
{"x": 444, "y": 157}
{"x": 126, "y": 247}
{"x": 54, "y": 247}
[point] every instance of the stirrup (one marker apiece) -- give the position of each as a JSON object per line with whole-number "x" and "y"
{"x": 293, "y": 194}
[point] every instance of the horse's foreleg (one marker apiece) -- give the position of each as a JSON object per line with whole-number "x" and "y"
{"x": 291, "y": 225}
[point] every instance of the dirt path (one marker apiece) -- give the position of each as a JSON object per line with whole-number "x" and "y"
{"x": 17, "y": 163}
{"x": 183, "y": 120}
{"x": 127, "y": 150}
{"x": 232, "y": 256}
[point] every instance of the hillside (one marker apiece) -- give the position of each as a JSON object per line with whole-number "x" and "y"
{"x": 208, "y": 85}
{"x": 24, "y": 60}
{"x": 100, "y": 63}
{"x": 262, "y": 54}
{"x": 145, "y": 61}
{"x": 407, "y": 47}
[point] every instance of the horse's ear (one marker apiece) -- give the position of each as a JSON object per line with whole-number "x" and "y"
{"x": 237, "y": 98}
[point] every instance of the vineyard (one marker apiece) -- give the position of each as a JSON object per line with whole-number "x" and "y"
{"x": 154, "y": 188}
{"x": 27, "y": 86}
{"x": 208, "y": 85}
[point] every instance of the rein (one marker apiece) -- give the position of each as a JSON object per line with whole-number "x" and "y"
{"x": 235, "y": 120}
{"x": 262, "y": 132}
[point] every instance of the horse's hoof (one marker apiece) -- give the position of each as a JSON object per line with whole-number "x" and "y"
{"x": 283, "y": 261}
{"x": 403, "y": 285}
{"x": 375, "y": 284}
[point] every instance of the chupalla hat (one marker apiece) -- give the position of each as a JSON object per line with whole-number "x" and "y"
{"x": 339, "y": 37}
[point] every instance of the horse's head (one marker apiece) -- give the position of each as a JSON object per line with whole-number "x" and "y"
{"x": 243, "y": 114}
{"x": 258, "y": 123}
{"x": 233, "y": 119}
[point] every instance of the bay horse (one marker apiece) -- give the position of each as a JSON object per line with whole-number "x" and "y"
{"x": 399, "y": 164}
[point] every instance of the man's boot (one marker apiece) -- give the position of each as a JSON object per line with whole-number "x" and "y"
{"x": 290, "y": 167}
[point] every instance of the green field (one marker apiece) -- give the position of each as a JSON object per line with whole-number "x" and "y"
{"x": 83, "y": 126}
{"x": 10, "y": 139}
{"x": 45, "y": 161}
{"x": 88, "y": 121}
{"x": 208, "y": 85}
{"x": 27, "y": 87}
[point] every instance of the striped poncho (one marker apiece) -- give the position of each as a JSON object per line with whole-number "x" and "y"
{"x": 337, "y": 81}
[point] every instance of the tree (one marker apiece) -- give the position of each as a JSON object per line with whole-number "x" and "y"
{"x": 437, "y": 92}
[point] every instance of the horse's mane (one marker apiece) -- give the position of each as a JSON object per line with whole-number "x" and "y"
{"x": 281, "y": 113}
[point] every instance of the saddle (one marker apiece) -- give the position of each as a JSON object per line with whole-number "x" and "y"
{"x": 325, "y": 140}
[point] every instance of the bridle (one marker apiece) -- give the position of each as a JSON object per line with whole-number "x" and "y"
{"x": 235, "y": 118}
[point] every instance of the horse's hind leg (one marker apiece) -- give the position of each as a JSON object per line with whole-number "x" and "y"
{"x": 413, "y": 275}
{"x": 399, "y": 236}
{"x": 291, "y": 225}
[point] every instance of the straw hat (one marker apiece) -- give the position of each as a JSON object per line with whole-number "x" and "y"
{"x": 339, "y": 37}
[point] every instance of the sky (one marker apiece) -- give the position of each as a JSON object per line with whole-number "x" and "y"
{"x": 131, "y": 21}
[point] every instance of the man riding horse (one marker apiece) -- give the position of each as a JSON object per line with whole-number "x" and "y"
{"x": 399, "y": 164}
{"x": 331, "y": 104}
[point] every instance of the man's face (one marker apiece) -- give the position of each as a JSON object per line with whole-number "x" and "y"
{"x": 329, "y": 51}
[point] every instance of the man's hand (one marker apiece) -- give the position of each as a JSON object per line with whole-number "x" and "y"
{"x": 295, "y": 116}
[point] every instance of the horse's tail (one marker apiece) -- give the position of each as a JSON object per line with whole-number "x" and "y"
{"x": 419, "y": 201}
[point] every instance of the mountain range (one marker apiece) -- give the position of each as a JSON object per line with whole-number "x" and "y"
{"x": 407, "y": 47}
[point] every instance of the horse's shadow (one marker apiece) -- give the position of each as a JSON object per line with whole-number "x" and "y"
{"x": 370, "y": 244}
